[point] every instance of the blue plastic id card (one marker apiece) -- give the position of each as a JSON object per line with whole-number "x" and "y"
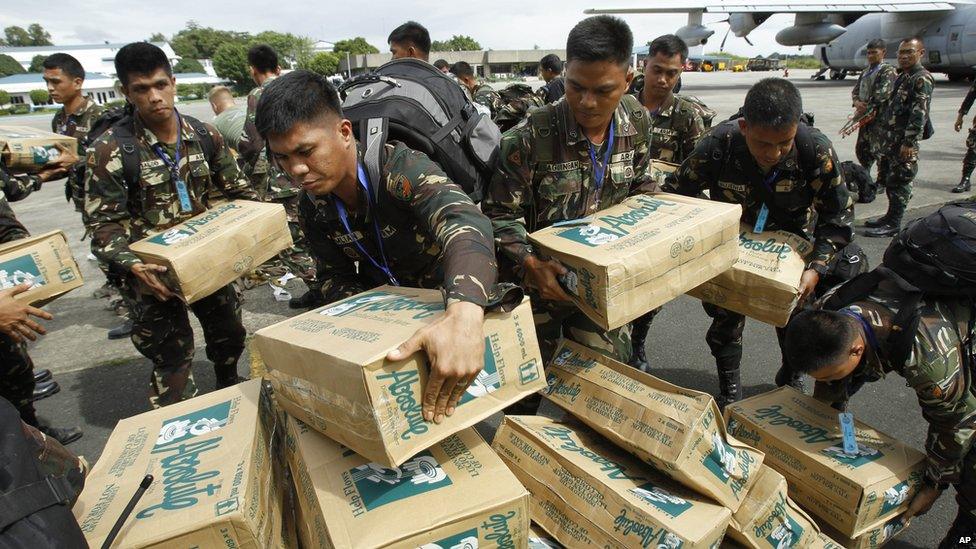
{"x": 184, "y": 194}
{"x": 761, "y": 219}
{"x": 847, "y": 432}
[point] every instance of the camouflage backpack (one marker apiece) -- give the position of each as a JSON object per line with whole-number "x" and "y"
{"x": 517, "y": 101}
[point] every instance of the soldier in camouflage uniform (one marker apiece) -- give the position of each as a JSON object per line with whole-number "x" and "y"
{"x": 844, "y": 349}
{"x": 516, "y": 102}
{"x": 399, "y": 221}
{"x": 272, "y": 184}
{"x": 176, "y": 181}
{"x": 797, "y": 188}
{"x": 870, "y": 97}
{"x": 968, "y": 161}
{"x": 480, "y": 92}
{"x": 675, "y": 129}
{"x": 568, "y": 160}
{"x": 551, "y": 70}
{"x": 905, "y": 121}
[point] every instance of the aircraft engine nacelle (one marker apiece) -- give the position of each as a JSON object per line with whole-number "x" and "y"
{"x": 812, "y": 33}
{"x": 694, "y": 34}
{"x": 743, "y": 23}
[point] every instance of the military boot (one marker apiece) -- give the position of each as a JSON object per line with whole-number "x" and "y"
{"x": 309, "y": 300}
{"x": 963, "y": 186}
{"x": 879, "y": 222}
{"x": 890, "y": 228}
{"x": 638, "y": 342}
{"x": 785, "y": 376}
{"x": 226, "y": 375}
{"x": 729, "y": 385}
{"x": 962, "y": 533}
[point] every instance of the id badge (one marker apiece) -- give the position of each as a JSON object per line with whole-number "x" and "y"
{"x": 184, "y": 194}
{"x": 847, "y": 432}
{"x": 761, "y": 220}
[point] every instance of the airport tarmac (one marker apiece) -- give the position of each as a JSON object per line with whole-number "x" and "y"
{"x": 103, "y": 381}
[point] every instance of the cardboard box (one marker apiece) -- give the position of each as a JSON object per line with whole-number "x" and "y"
{"x": 540, "y": 539}
{"x": 872, "y": 539}
{"x": 660, "y": 170}
{"x": 764, "y": 283}
{"x": 211, "y": 250}
{"x": 45, "y": 261}
{"x": 216, "y": 478}
{"x": 457, "y": 493}
{"x": 677, "y": 430}
{"x": 802, "y": 440}
{"x": 642, "y": 253}
{"x": 329, "y": 369}
{"x": 614, "y": 492}
{"x": 29, "y": 149}
{"x": 769, "y": 519}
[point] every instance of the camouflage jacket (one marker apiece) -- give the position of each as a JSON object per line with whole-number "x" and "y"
{"x": 516, "y": 100}
{"x": 77, "y": 125}
{"x": 483, "y": 94}
{"x": 266, "y": 178}
{"x": 874, "y": 86}
{"x": 821, "y": 205}
{"x": 116, "y": 219}
{"x": 14, "y": 189}
{"x": 934, "y": 370}
{"x": 545, "y": 175}
{"x": 432, "y": 234}
{"x": 553, "y": 90}
{"x": 18, "y": 186}
{"x": 675, "y": 128}
{"x": 908, "y": 111}
{"x": 967, "y": 103}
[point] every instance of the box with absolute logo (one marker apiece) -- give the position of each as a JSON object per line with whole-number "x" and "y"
{"x": 764, "y": 283}
{"x": 45, "y": 261}
{"x": 660, "y": 170}
{"x": 871, "y": 539}
{"x": 677, "y": 430}
{"x": 616, "y": 494}
{"x": 455, "y": 494}
{"x": 329, "y": 369}
{"x": 802, "y": 440}
{"x": 769, "y": 519}
{"x": 29, "y": 149}
{"x": 211, "y": 250}
{"x": 638, "y": 255}
{"x": 217, "y": 480}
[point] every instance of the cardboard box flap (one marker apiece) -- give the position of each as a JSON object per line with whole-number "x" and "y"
{"x": 769, "y": 515}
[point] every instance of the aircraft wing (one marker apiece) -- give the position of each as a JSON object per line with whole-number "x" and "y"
{"x": 890, "y": 6}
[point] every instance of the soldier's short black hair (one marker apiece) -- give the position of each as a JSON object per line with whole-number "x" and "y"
{"x": 877, "y": 44}
{"x": 298, "y": 96}
{"x": 412, "y": 33}
{"x": 67, "y": 63}
{"x": 669, "y": 45}
{"x": 462, "y": 69}
{"x": 551, "y": 63}
{"x": 818, "y": 339}
{"x": 140, "y": 58}
{"x": 600, "y": 38}
{"x": 263, "y": 58}
{"x": 772, "y": 103}
{"x": 442, "y": 64}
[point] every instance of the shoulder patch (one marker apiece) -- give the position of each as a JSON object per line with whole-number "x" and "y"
{"x": 399, "y": 186}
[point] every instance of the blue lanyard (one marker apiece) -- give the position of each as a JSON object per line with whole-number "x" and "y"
{"x": 872, "y": 70}
{"x": 174, "y": 166}
{"x": 768, "y": 181}
{"x": 764, "y": 210}
{"x": 600, "y": 169}
{"x": 868, "y": 329}
{"x": 341, "y": 208}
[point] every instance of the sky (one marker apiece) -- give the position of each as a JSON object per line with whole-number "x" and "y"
{"x": 499, "y": 24}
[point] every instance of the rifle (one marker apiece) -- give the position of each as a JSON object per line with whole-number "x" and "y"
{"x": 855, "y": 122}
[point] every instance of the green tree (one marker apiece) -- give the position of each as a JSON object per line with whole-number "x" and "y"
{"x": 157, "y": 37}
{"x": 289, "y": 47}
{"x": 354, "y": 46}
{"x": 185, "y": 65}
{"x": 196, "y": 42}
{"x": 323, "y": 63}
{"x": 230, "y": 62}
{"x": 9, "y": 65}
{"x": 37, "y": 63}
{"x": 4, "y": 98}
{"x": 17, "y": 36}
{"x": 456, "y": 43}
{"x": 39, "y": 36}
{"x": 39, "y": 97}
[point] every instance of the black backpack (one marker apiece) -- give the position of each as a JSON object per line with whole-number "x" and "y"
{"x": 859, "y": 182}
{"x": 932, "y": 256}
{"x": 409, "y": 100}
{"x": 39, "y": 481}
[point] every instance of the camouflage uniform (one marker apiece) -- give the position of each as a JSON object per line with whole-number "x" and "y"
{"x": 821, "y": 207}
{"x": 273, "y": 185}
{"x": 545, "y": 175}
{"x": 905, "y": 119}
{"x": 553, "y": 90}
{"x": 483, "y": 94}
{"x": 162, "y": 331}
{"x": 77, "y": 125}
{"x": 16, "y": 367}
{"x": 873, "y": 87}
{"x": 969, "y": 161}
{"x": 516, "y": 101}
{"x": 432, "y": 235}
{"x": 935, "y": 371}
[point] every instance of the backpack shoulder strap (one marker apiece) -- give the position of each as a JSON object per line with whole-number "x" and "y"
{"x": 638, "y": 117}
{"x": 545, "y": 132}
{"x": 374, "y": 133}
{"x": 806, "y": 152}
{"x": 23, "y": 501}
{"x": 122, "y": 132}
{"x": 721, "y": 148}
{"x": 206, "y": 140}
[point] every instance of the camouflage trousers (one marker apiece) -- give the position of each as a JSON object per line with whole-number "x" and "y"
{"x": 161, "y": 332}
{"x": 17, "y": 377}
{"x": 297, "y": 259}
{"x": 897, "y": 177}
{"x": 969, "y": 161}
{"x": 554, "y": 321}
{"x": 866, "y": 147}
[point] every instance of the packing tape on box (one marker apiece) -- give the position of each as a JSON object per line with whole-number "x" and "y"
{"x": 305, "y": 393}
